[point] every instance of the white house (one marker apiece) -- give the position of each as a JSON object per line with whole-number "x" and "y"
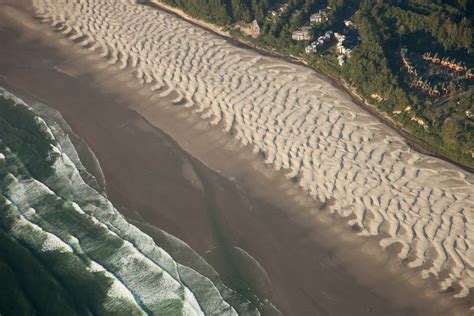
{"x": 311, "y": 49}
{"x": 303, "y": 34}
{"x": 255, "y": 29}
{"x": 340, "y": 49}
{"x": 349, "y": 24}
{"x": 339, "y": 37}
{"x": 319, "y": 17}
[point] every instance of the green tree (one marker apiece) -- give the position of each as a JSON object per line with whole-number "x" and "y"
{"x": 450, "y": 133}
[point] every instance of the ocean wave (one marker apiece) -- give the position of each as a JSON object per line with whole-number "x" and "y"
{"x": 59, "y": 214}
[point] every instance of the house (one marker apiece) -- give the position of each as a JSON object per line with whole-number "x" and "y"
{"x": 460, "y": 67}
{"x": 425, "y": 86}
{"x": 434, "y": 92}
{"x": 349, "y": 24}
{"x": 432, "y": 58}
{"x": 418, "y": 82}
{"x": 406, "y": 63}
{"x": 284, "y": 8}
{"x": 319, "y": 17}
{"x": 255, "y": 29}
{"x": 303, "y": 34}
{"x": 320, "y": 42}
{"x": 469, "y": 74}
{"x": 339, "y": 37}
{"x": 377, "y": 97}
{"x": 420, "y": 122}
{"x": 340, "y": 49}
{"x": 445, "y": 61}
{"x": 469, "y": 114}
{"x": 311, "y": 49}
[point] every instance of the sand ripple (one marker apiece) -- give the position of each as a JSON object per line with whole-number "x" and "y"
{"x": 301, "y": 123}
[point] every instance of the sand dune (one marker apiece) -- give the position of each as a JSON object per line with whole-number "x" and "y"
{"x": 304, "y": 127}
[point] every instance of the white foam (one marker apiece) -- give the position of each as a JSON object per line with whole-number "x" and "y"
{"x": 140, "y": 268}
{"x": 132, "y": 268}
{"x": 117, "y": 289}
{"x": 44, "y": 241}
{"x": 10, "y": 96}
{"x": 45, "y": 127}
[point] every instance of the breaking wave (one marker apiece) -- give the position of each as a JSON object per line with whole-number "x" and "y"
{"x": 55, "y": 215}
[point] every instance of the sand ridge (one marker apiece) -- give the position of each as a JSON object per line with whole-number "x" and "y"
{"x": 302, "y": 124}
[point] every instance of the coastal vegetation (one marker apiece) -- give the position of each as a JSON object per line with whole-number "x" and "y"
{"x": 435, "y": 106}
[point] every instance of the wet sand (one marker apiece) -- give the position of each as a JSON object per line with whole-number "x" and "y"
{"x": 315, "y": 264}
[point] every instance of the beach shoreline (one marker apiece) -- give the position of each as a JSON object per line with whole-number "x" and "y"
{"x": 78, "y": 82}
{"x": 412, "y": 140}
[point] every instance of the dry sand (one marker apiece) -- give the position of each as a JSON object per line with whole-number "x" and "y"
{"x": 340, "y": 155}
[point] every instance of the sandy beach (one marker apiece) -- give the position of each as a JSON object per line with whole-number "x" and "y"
{"x": 168, "y": 168}
{"x": 414, "y": 142}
